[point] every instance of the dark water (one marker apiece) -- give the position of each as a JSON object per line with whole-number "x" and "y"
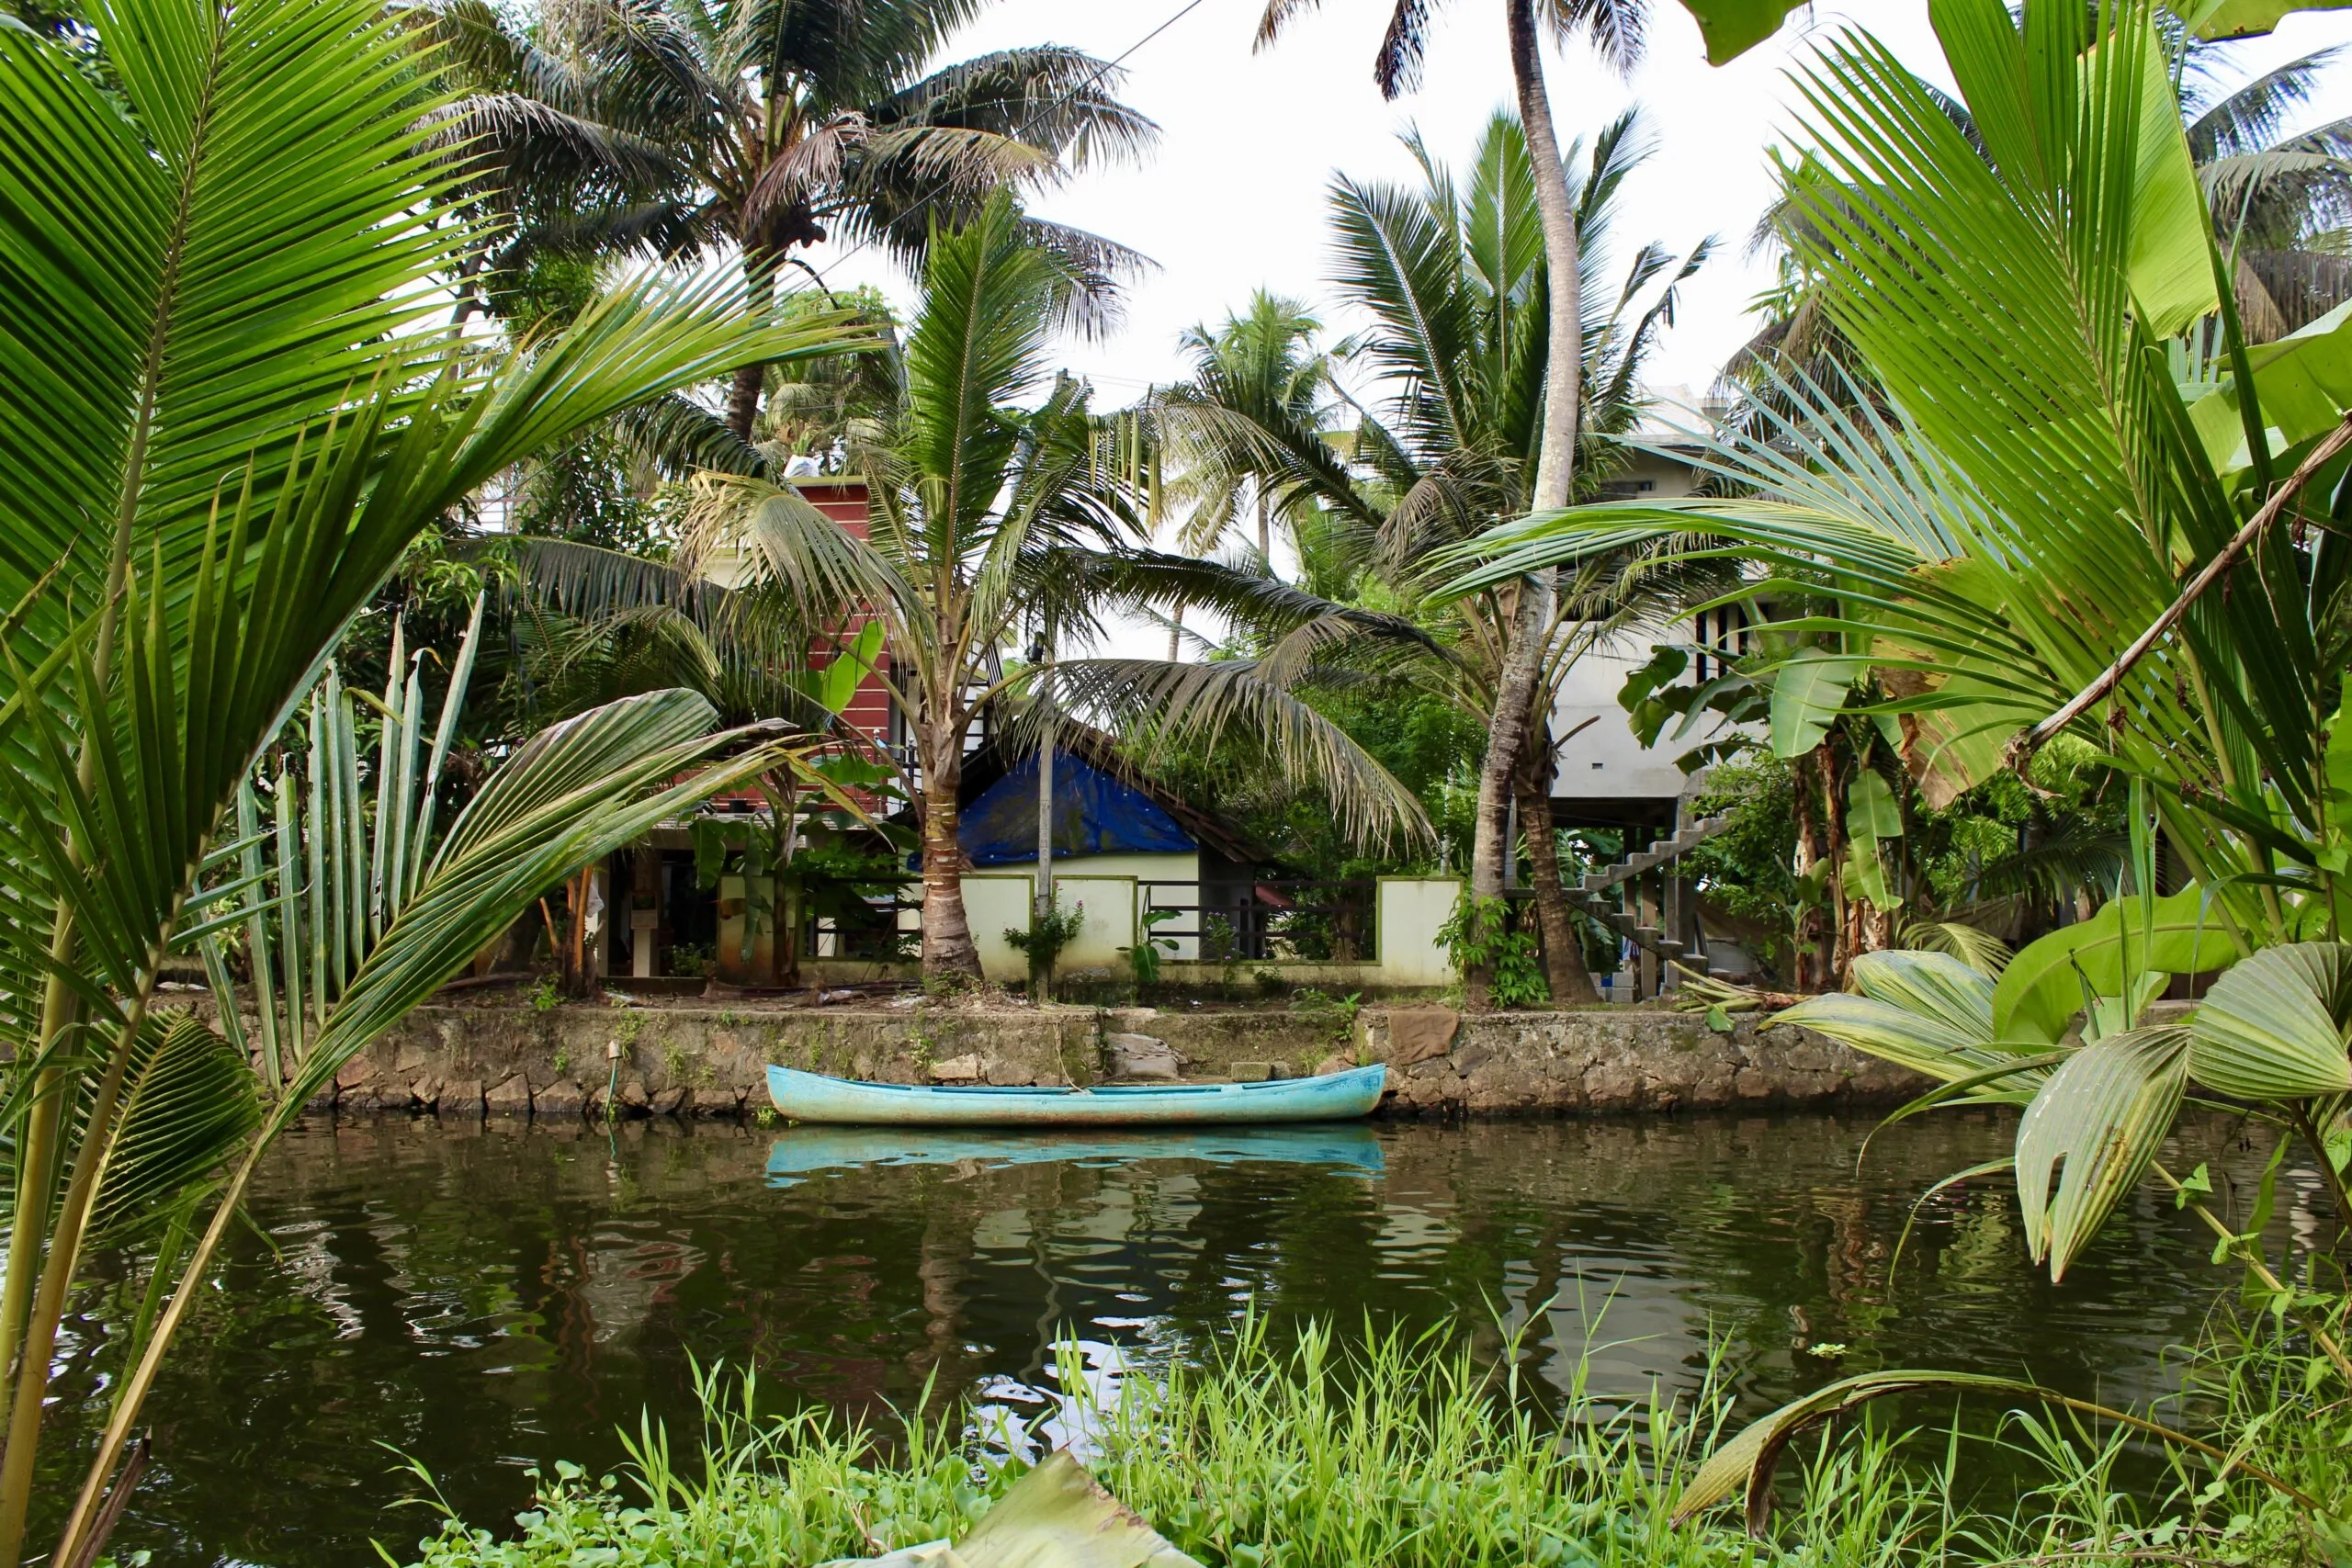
{"x": 490, "y": 1297}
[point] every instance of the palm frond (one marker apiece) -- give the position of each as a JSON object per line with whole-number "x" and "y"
{"x": 1153, "y": 705}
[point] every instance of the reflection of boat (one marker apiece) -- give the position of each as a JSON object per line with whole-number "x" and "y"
{"x": 1330, "y": 1097}
{"x": 807, "y": 1149}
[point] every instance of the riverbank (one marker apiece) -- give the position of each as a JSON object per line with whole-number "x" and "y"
{"x": 702, "y": 1060}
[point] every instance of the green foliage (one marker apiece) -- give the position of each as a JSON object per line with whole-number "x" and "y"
{"x": 1143, "y": 958}
{"x": 593, "y": 490}
{"x": 821, "y": 409}
{"x": 1421, "y": 738}
{"x": 229, "y": 408}
{"x": 1334, "y": 1016}
{"x": 1415, "y": 1452}
{"x": 1478, "y": 934}
{"x": 1044, "y": 937}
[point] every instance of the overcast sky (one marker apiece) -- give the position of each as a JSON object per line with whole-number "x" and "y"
{"x": 1233, "y": 198}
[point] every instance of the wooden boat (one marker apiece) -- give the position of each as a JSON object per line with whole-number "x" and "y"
{"x": 1330, "y": 1097}
{"x": 795, "y": 1156}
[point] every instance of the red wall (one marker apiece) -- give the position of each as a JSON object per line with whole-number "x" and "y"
{"x": 845, "y": 501}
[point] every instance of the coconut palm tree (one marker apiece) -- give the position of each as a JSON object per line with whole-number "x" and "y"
{"x": 221, "y": 425}
{"x": 753, "y": 128}
{"x": 1260, "y": 363}
{"x": 2281, "y": 200}
{"x": 2041, "y": 558}
{"x": 1616, "y": 29}
{"x": 988, "y": 518}
{"x": 1452, "y": 275}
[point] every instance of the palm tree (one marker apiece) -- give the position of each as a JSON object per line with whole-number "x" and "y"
{"x": 2037, "y": 558}
{"x": 220, "y": 427}
{"x": 751, "y": 128}
{"x": 1260, "y": 363}
{"x": 989, "y": 519}
{"x": 2281, "y": 201}
{"x": 1616, "y": 29}
{"x": 1453, "y": 277}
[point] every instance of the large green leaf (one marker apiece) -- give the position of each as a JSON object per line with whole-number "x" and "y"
{"x": 1732, "y": 28}
{"x": 2088, "y": 1137}
{"x": 1055, "y": 1516}
{"x": 575, "y": 793}
{"x": 190, "y": 1104}
{"x": 199, "y": 264}
{"x": 2042, "y": 988}
{"x": 2243, "y": 18}
{"x": 1928, "y": 1011}
{"x": 2302, "y": 382}
{"x": 1809, "y": 688}
{"x": 2276, "y": 1026}
{"x": 1058, "y": 1517}
{"x": 2170, "y": 264}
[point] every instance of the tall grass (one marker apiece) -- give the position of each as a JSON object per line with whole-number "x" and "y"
{"x": 1413, "y": 1451}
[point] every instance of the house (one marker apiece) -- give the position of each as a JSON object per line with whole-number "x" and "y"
{"x": 1110, "y": 825}
{"x": 1603, "y": 775}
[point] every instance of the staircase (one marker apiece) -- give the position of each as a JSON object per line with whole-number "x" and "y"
{"x": 1587, "y": 894}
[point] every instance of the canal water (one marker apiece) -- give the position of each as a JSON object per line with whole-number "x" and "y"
{"x": 486, "y": 1297}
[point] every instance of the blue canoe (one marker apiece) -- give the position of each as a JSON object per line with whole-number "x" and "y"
{"x": 1333, "y": 1097}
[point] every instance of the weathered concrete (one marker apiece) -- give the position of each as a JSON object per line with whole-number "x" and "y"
{"x": 567, "y": 1060}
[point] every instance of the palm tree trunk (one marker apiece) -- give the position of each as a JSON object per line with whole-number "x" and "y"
{"x": 1564, "y": 966}
{"x": 948, "y": 952}
{"x": 1555, "y": 465}
{"x": 759, "y": 298}
{"x": 743, "y": 399}
{"x": 1809, "y": 965}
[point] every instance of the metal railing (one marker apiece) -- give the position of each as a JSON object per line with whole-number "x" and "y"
{"x": 1270, "y": 920}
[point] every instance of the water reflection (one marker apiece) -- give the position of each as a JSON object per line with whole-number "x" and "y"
{"x": 807, "y": 1149}
{"x": 486, "y": 1297}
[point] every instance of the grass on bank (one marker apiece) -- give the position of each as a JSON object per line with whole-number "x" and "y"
{"x": 1409, "y": 1451}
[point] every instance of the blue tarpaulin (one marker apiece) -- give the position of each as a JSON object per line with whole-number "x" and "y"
{"x": 1094, "y": 814}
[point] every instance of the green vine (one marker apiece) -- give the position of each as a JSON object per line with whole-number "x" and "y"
{"x": 1478, "y": 935}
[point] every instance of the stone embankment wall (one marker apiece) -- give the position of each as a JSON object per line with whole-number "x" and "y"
{"x": 1599, "y": 1060}
{"x": 567, "y": 1060}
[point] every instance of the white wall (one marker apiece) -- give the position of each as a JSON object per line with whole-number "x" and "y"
{"x": 994, "y": 901}
{"x": 1411, "y": 909}
{"x": 1604, "y": 758}
{"x": 1110, "y": 906}
{"x": 1108, "y": 885}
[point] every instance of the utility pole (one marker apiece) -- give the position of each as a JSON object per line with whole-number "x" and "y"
{"x": 1043, "y": 655}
